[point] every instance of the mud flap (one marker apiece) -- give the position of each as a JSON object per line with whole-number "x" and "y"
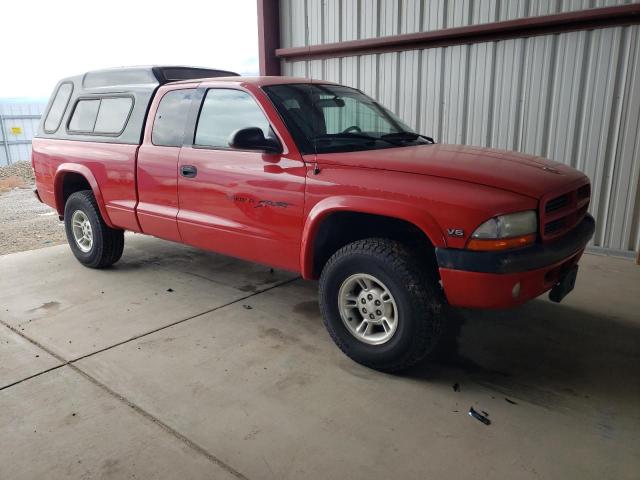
{"x": 564, "y": 286}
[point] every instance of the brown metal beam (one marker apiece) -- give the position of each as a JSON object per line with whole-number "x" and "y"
{"x": 522, "y": 27}
{"x": 268, "y": 36}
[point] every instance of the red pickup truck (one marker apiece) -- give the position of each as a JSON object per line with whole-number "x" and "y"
{"x": 316, "y": 178}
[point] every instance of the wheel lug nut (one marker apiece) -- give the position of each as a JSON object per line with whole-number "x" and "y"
{"x": 370, "y": 297}
{"x": 371, "y": 316}
{"x": 377, "y": 303}
{"x": 364, "y": 310}
{"x": 363, "y": 301}
{"x": 378, "y": 312}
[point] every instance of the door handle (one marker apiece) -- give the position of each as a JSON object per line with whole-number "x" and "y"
{"x": 188, "y": 171}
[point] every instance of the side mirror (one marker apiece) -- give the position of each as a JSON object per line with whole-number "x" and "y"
{"x": 252, "y": 138}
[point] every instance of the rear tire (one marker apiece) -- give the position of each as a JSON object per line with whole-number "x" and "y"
{"x": 93, "y": 243}
{"x": 390, "y": 284}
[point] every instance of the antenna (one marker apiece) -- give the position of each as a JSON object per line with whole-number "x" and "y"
{"x": 316, "y": 168}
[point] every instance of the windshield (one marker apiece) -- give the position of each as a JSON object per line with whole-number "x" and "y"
{"x": 334, "y": 118}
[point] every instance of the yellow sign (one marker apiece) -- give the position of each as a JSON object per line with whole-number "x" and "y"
{"x": 16, "y": 130}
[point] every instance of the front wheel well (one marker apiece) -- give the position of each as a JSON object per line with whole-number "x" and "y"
{"x": 341, "y": 228}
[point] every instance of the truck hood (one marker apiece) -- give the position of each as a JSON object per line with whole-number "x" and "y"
{"x": 516, "y": 172}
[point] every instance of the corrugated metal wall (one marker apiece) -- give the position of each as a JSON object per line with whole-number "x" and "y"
{"x": 573, "y": 97}
{"x": 19, "y": 147}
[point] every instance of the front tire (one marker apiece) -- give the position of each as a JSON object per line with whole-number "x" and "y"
{"x": 381, "y": 308}
{"x": 92, "y": 241}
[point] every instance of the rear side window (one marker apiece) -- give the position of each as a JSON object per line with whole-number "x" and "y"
{"x": 58, "y": 107}
{"x": 171, "y": 117}
{"x": 84, "y": 116}
{"x": 223, "y": 112}
{"x": 113, "y": 115}
{"x": 101, "y": 116}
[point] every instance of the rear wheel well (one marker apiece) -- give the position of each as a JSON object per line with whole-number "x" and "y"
{"x": 341, "y": 228}
{"x": 71, "y": 183}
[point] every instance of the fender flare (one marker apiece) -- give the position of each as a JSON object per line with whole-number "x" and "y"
{"x": 389, "y": 208}
{"x": 65, "y": 168}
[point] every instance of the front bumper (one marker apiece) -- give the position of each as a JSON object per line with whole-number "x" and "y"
{"x": 504, "y": 279}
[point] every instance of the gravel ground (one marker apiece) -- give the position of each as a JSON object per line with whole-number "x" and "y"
{"x": 25, "y": 223}
{"x": 21, "y": 170}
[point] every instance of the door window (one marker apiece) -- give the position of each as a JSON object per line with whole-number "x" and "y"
{"x": 223, "y": 112}
{"x": 171, "y": 118}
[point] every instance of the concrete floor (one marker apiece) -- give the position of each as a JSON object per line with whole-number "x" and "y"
{"x": 183, "y": 364}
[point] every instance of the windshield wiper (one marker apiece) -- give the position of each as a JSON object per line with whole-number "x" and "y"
{"x": 404, "y": 135}
{"x": 362, "y": 136}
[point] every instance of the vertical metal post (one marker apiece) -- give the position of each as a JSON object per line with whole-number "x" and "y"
{"x": 5, "y": 140}
{"x": 268, "y": 36}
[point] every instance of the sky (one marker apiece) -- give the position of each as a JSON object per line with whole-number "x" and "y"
{"x": 44, "y": 41}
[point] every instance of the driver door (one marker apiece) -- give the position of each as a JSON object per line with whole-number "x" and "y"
{"x": 247, "y": 204}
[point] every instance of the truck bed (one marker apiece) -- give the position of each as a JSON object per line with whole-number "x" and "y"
{"x": 110, "y": 168}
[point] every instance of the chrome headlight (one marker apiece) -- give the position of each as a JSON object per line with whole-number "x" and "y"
{"x": 510, "y": 225}
{"x": 512, "y": 230}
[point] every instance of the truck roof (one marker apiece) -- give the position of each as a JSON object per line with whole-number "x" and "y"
{"x": 258, "y": 81}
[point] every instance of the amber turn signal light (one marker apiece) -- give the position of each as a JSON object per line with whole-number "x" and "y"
{"x": 500, "y": 243}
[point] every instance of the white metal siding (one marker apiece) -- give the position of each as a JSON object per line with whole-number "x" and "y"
{"x": 573, "y": 97}
{"x": 28, "y": 126}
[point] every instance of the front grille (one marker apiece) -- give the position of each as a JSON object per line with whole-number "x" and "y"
{"x": 554, "y": 226}
{"x": 584, "y": 191}
{"x": 557, "y": 203}
{"x": 560, "y": 213}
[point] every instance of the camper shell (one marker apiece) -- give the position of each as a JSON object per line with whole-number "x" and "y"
{"x": 128, "y": 91}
